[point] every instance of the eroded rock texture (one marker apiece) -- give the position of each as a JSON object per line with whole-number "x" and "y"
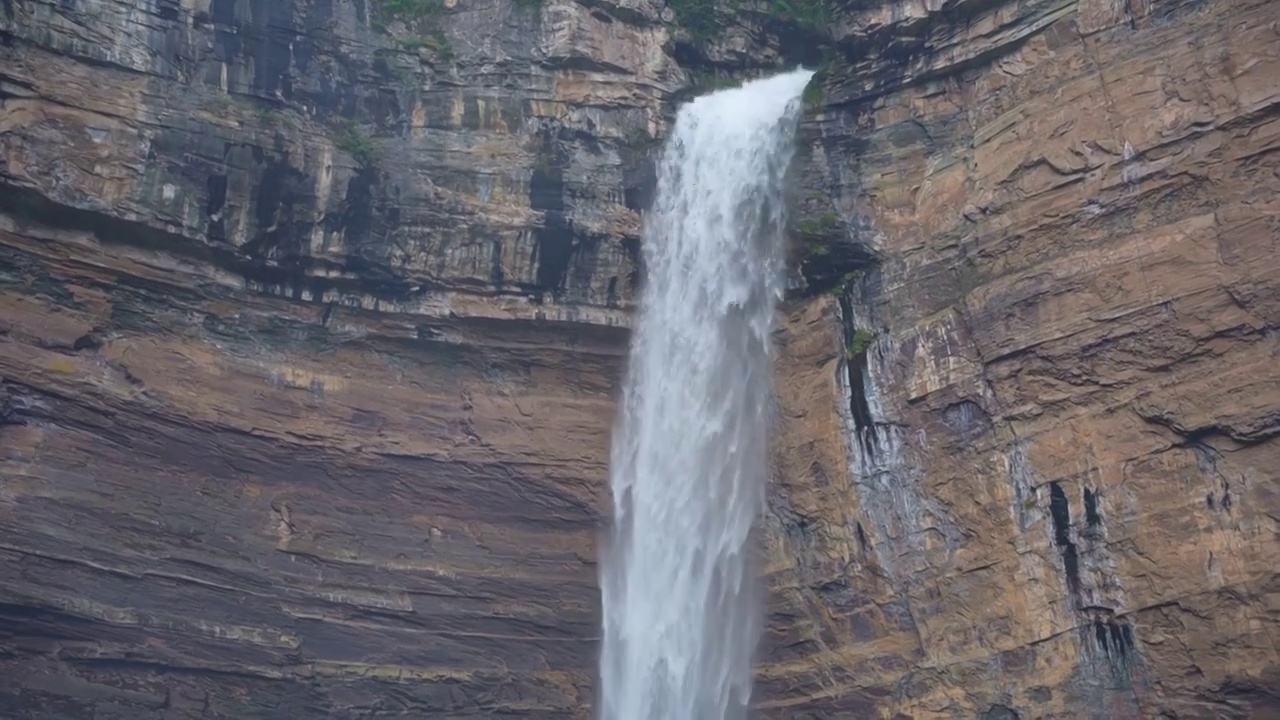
{"x": 1061, "y": 496}
{"x": 295, "y": 421}
{"x": 312, "y": 314}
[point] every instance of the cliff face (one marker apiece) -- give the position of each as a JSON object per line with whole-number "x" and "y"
{"x": 313, "y": 313}
{"x": 1060, "y": 495}
{"x": 298, "y": 421}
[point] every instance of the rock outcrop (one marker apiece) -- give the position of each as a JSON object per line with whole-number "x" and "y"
{"x": 313, "y": 313}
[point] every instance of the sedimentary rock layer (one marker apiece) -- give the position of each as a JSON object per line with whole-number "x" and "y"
{"x": 1060, "y": 375}
{"x": 311, "y": 316}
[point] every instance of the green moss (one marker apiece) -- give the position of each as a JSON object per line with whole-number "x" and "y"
{"x": 815, "y": 91}
{"x": 1028, "y": 502}
{"x": 860, "y": 342}
{"x": 352, "y": 140}
{"x": 824, "y": 224}
{"x": 849, "y": 279}
{"x": 813, "y": 94}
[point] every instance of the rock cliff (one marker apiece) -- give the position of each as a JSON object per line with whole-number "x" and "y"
{"x": 313, "y": 313}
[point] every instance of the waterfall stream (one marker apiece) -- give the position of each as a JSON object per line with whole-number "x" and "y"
{"x": 690, "y": 451}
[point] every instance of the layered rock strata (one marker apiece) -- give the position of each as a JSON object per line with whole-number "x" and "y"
{"x": 313, "y": 313}
{"x": 1049, "y": 489}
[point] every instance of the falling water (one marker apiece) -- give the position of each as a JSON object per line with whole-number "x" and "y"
{"x": 689, "y": 459}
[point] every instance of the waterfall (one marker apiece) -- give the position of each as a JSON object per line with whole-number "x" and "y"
{"x": 690, "y": 451}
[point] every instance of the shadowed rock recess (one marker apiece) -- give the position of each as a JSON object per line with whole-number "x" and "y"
{"x": 312, "y": 314}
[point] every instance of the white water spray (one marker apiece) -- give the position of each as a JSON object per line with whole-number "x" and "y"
{"x": 690, "y": 452}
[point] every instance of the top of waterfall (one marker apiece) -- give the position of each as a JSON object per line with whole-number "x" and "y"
{"x": 783, "y": 86}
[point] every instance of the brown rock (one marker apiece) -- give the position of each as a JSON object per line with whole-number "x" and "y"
{"x": 312, "y": 322}
{"x": 1065, "y": 457}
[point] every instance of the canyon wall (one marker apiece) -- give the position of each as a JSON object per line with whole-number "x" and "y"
{"x": 1060, "y": 372}
{"x": 313, "y": 314}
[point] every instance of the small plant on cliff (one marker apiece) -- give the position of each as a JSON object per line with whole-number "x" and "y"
{"x": 824, "y": 224}
{"x": 846, "y": 282}
{"x": 860, "y": 342}
{"x": 354, "y": 142}
{"x": 418, "y": 16}
{"x": 816, "y": 248}
{"x": 269, "y": 115}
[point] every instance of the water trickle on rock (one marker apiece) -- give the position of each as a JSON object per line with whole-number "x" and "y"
{"x": 690, "y": 452}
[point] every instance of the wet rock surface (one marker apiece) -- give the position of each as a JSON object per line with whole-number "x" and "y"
{"x": 312, "y": 314}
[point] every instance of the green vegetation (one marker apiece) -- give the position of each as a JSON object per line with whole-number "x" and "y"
{"x": 351, "y": 139}
{"x": 815, "y": 91}
{"x": 825, "y": 224}
{"x": 700, "y": 17}
{"x": 530, "y": 4}
{"x": 813, "y": 94}
{"x": 860, "y": 342}
{"x": 421, "y": 17}
{"x": 845, "y": 282}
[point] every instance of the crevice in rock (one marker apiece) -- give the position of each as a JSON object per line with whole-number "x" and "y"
{"x": 611, "y": 293}
{"x": 1092, "y": 518}
{"x": 1116, "y": 641}
{"x": 1001, "y": 712}
{"x": 564, "y": 255}
{"x": 1060, "y": 511}
{"x": 856, "y": 367}
{"x": 89, "y": 341}
{"x": 496, "y": 274}
{"x": 863, "y": 544}
{"x": 1269, "y": 427}
{"x": 14, "y": 405}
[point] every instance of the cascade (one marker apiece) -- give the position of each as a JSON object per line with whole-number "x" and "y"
{"x": 689, "y": 460}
